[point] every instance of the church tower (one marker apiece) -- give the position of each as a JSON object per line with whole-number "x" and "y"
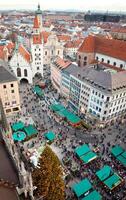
{"x": 38, "y": 13}
{"x": 37, "y": 49}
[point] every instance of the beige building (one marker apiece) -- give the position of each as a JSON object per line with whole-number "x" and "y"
{"x": 9, "y": 91}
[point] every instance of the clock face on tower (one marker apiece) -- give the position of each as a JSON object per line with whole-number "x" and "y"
{"x": 37, "y": 46}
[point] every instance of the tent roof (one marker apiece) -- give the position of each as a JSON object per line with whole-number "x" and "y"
{"x": 86, "y": 158}
{"x": 17, "y": 126}
{"x": 93, "y": 196}
{"x": 30, "y": 130}
{"x": 50, "y": 135}
{"x": 38, "y": 90}
{"x": 113, "y": 181}
{"x": 81, "y": 187}
{"x": 122, "y": 159}
{"x": 104, "y": 173}
{"x": 124, "y": 154}
{"x": 117, "y": 150}
{"x": 63, "y": 112}
{"x": 19, "y": 136}
{"x": 81, "y": 150}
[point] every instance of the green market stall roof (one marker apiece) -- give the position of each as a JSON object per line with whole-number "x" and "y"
{"x": 81, "y": 187}
{"x": 19, "y": 136}
{"x": 88, "y": 157}
{"x": 17, "y": 126}
{"x": 104, "y": 173}
{"x": 63, "y": 112}
{"x": 38, "y": 91}
{"x": 93, "y": 196}
{"x": 108, "y": 177}
{"x": 120, "y": 154}
{"x": 81, "y": 150}
{"x": 117, "y": 150}
{"x": 50, "y": 136}
{"x": 113, "y": 181}
{"x": 30, "y": 130}
{"x": 122, "y": 159}
{"x": 85, "y": 153}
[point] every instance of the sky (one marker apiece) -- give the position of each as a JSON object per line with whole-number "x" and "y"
{"x": 83, "y": 5}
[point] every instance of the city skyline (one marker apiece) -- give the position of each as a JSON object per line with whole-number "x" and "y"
{"x": 109, "y": 5}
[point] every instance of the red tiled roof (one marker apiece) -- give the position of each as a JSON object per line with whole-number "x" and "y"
{"x": 10, "y": 46}
{"x": 2, "y": 53}
{"x": 88, "y": 45}
{"x": 73, "y": 44}
{"x": 109, "y": 47}
{"x": 37, "y": 39}
{"x": 64, "y": 37}
{"x": 24, "y": 53}
{"x": 62, "y": 63}
{"x": 36, "y": 22}
{"x": 45, "y": 36}
{"x": 119, "y": 30}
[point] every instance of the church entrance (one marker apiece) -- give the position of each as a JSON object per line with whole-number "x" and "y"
{"x": 24, "y": 81}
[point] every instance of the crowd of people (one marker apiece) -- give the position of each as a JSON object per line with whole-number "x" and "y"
{"x": 67, "y": 140}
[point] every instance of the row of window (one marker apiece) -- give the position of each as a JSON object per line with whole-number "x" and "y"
{"x": 95, "y": 107}
{"x": 118, "y": 102}
{"x": 85, "y": 57}
{"x": 94, "y": 99}
{"x": 108, "y": 61}
{"x": 75, "y": 82}
{"x": 11, "y": 85}
{"x": 8, "y": 103}
{"x": 118, "y": 96}
{"x": 117, "y": 108}
{"x": 19, "y": 72}
{"x": 98, "y": 94}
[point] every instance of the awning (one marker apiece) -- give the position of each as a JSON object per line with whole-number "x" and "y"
{"x": 81, "y": 187}
{"x": 17, "y": 126}
{"x": 81, "y": 150}
{"x": 50, "y": 136}
{"x": 30, "y": 130}
{"x": 93, "y": 196}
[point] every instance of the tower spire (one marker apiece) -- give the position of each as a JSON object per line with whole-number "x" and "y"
{"x": 38, "y": 6}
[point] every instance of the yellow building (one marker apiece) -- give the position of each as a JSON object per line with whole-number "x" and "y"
{"x": 9, "y": 91}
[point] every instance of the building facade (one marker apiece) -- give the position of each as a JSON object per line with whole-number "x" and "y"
{"x": 9, "y": 91}
{"x": 96, "y": 91}
{"x": 100, "y": 49}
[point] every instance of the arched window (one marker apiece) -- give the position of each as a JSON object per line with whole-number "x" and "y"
{"x": 114, "y": 63}
{"x": 85, "y": 58}
{"x": 121, "y": 66}
{"x": 108, "y": 61}
{"x": 18, "y": 72}
{"x": 102, "y": 59}
{"x": 25, "y": 72}
{"x": 97, "y": 58}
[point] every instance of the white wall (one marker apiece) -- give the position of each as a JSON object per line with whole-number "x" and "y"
{"x": 17, "y": 61}
{"x": 112, "y": 60}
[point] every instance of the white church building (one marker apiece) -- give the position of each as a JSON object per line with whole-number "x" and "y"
{"x": 44, "y": 46}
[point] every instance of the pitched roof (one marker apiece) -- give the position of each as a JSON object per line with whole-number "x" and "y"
{"x": 2, "y": 53}
{"x": 88, "y": 45}
{"x": 103, "y": 80}
{"x": 24, "y": 53}
{"x": 102, "y": 45}
{"x": 36, "y": 22}
{"x": 61, "y": 63}
{"x": 64, "y": 37}
{"x": 5, "y": 74}
{"x": 73, "y": 44}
